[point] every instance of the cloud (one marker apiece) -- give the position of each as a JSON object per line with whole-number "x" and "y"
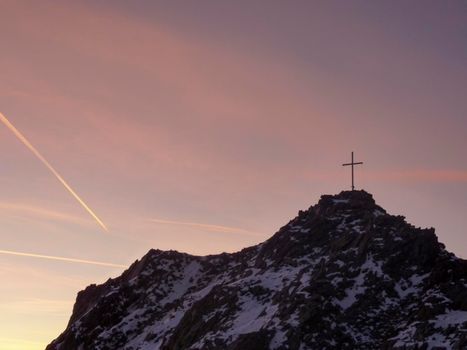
{"x": 208, "y": 227}
{"x": 48, "y": 214}
{"x": 416, "y": 175}
{"x": 60, "y": 258}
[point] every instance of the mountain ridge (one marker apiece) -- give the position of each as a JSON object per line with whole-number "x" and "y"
{"x": 342, "y": 274}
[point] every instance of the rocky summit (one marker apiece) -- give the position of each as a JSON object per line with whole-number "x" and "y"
{"x": 343, "y": 274}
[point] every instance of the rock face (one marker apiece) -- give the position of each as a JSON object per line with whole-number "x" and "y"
{"x": 343, "y": 274}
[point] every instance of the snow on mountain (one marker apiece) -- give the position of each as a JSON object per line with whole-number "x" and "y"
{"x": 343, "y": 274}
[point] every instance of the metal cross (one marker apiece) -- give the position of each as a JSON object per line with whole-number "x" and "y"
{"x": 352, "y": 163}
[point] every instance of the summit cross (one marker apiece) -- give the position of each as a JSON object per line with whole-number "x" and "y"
{"x": 352, "y": 163}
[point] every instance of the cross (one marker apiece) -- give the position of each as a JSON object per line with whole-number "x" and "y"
{"x": 352, "y": 163}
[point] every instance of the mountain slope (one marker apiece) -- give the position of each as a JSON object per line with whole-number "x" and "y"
{"x": 342, "y": 275}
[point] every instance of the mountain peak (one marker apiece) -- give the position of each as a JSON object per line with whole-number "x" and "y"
{"x": 355, "y": 197}
{"x": 343, "y": 274}
{"x": 347, "y": 200}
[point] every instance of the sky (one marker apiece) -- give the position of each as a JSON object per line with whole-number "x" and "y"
{"x": 205, "y": 126}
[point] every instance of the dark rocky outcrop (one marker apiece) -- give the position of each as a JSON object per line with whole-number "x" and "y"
{"x": 343, "y": 274}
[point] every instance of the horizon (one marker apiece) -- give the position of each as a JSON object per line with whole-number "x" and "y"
{"x": 205, "y": 127}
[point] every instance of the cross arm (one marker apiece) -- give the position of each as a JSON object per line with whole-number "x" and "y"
{"x": 352, "y": 163}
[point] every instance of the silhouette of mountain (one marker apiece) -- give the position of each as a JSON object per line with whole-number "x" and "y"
{"x": 343, "y": 274}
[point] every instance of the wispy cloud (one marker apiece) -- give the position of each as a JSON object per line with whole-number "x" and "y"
{"x": 417, "y": 175}
{"x": 61, "y": 258}
{"x": 208, "y": 227}
{"x": 32, "y": 210}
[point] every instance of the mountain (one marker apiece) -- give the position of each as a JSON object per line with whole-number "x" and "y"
{"x": 343, "y": 274}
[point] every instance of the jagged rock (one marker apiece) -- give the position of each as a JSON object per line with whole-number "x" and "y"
{"x": 343, "y": 274}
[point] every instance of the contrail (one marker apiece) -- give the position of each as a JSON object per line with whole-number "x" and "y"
{"x": 60, "y": 258}
{"x": 209, "y": 227}
{"x": 52, "y": 170}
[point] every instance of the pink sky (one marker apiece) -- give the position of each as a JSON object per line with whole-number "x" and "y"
{"x": 230, "y": 117}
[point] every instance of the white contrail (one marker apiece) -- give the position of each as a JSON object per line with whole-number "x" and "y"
{"x": 209, "y": 227}
{"x": 60, "y": 258}
{"x": 52, "y": 170}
